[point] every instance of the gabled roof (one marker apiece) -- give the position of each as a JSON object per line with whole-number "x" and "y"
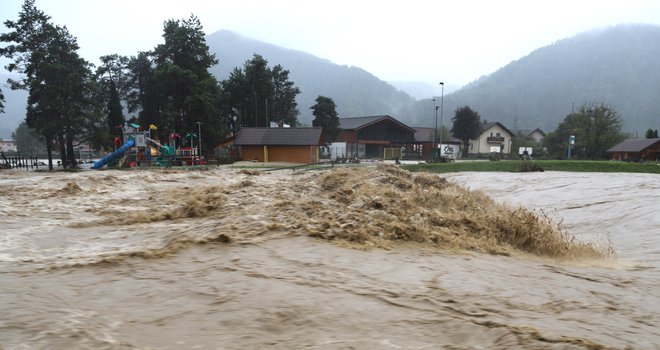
{"x": 487, "y": 125}
{"x": 357, "y": 123}
{"x": 426, "y": 135}
{"x": 279, "y": 137}
{"x": 535, "y": 130}
{"x": 633, "y": 145}
{"x": 527, "y": 132}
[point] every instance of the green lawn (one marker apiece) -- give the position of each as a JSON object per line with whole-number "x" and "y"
{"x": 547, "y": 165}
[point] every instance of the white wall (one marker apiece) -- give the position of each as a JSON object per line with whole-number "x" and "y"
{"x": 483, "y": 146}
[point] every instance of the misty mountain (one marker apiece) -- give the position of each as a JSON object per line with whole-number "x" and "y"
{"x": 618, "y": 66}
{"x": 355, "y": 91}
{"x": 421, "y": 90}
{"x": 16, "y": 101}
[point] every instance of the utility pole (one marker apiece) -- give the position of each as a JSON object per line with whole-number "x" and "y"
{"x": 435, "y": 127}
{"x": 266, "y": 100}
{"x": 442, "y": 102}
{"x": 256, "y": 121}
{"x": 199, "y": 142}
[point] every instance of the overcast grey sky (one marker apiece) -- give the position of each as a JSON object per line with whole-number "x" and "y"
{"x": 407, "y": 40}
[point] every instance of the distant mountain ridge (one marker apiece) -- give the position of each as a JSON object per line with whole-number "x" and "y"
{"x": 14, "y": 107}
{"x": 618, "y": 66}
{"x": 355, "y": 91}
{"x": 421, "y": 90}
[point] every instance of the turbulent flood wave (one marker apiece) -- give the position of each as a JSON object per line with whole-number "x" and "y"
{"x": 356, "y": 207}
{"x": 392, "y": 205}
{"x": 369, "y": 258}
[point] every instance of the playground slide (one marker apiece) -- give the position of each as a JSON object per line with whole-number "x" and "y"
{"x": 118, "y": 153}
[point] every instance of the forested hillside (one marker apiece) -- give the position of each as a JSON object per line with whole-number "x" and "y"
{"x": 355, "y": 91}
{"x": 618, "y": 66}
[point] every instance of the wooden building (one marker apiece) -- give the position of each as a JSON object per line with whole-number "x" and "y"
{"x": 296, "y": 145}
{"x": 375, "y": 136}
{"x": 424, "y": 144}
{"x": 636, "y": 150}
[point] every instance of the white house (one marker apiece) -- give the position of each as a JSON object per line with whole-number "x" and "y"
{"x": 8, "y": 146}
{"x": 494, "y": 137}
{"x": 537, "y": 134}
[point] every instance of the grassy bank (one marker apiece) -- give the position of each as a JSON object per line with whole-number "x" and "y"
{"x": 547, "y": 165}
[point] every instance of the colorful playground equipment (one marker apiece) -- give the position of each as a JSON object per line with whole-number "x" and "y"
{"x": 114, "y": 155}
{"x": 140, "y": 149}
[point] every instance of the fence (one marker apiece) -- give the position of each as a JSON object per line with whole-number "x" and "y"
{"x": 335, "y": 153}
{"x": 392, "y": 153}
{"x": 18, "y": 161}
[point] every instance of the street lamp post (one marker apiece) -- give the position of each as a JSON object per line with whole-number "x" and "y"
{"x": 442, "y": 101}
{"x": 435, "y": 126}
{"x": 267, "y": 124}
{"x": 199, "y": 142}
{"x": 256, "y": 119}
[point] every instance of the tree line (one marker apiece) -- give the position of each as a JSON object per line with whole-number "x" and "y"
{"x": 595, "y": 128}
{"x": 168, "y": 89}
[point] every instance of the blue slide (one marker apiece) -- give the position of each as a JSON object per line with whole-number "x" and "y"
{"x": 118, "y": 153}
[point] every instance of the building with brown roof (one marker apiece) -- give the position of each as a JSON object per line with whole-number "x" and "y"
{"x": 424, "y": 138}
{"x": 636, "y": 150}
{"x": 371, "y": 137}
{"x": 296, "y": 145}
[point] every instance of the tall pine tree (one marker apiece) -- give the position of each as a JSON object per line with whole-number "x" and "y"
{"x": 325, "y": 116}
{"x": 59, "y": 83}
{"x": 187, "y": 91}
{"x": 255, "y": 95}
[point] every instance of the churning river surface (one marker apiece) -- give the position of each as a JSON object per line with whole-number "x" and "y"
{"x": 223, "y": 259}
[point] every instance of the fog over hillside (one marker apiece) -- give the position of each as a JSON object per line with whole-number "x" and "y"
{"x": 14, "y": 108}
{"x": 423, "y": 90}
{"x": 617, "y": 66}
{"x": 355, "y": 91}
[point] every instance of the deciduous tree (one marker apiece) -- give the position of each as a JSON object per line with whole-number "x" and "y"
{"x": 467, "y": 126}
{"x": 28, "y": 141}
{"x": 596, "y": 129}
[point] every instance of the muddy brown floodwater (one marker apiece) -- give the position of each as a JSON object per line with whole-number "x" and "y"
{"x": 372, "y": 258}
